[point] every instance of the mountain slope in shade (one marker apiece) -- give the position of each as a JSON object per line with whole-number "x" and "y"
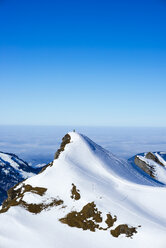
{"x": 13, "y": 170}
{"x": 3, "y": 195}
{"x": 86, "y": 198}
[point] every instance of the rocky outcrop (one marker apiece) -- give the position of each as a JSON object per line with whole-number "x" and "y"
{"x": 149, "y": 169}
{"x": 16, "y": 198}
{"x": 90, "y": 218}
{"x": 65, "y": 140}
{"x": 153, "y": 157}
{"x": 123, "y": 229}
{"x": 75, "y": 193}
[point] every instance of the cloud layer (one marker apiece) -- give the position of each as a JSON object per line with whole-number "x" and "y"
{"x": 37, "y": 145}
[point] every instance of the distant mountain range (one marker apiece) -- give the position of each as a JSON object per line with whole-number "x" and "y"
{"x": 12, "y": 171}
{"x": 86, "y": 197}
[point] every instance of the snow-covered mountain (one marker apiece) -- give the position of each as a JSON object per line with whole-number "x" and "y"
{"x": 12, "y": 171}
{"x": 85, "y": 198}
{"x": 152, "y": 163}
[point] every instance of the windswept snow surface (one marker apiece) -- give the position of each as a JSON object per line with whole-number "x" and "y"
{"x": 114, "y": 185}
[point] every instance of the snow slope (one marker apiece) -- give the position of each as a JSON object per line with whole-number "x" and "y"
{"x": 13, "y": 170}
{"x": 82, "y": 173}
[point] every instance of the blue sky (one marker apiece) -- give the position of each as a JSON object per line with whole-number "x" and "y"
{"x": 83, "y": 62}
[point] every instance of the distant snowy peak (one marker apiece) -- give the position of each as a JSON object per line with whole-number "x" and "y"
{"x": 13, "y": 170}
{"x": 10, "y": 162}
{"x": 152, "y": 163}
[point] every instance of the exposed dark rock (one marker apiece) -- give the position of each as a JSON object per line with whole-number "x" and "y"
{"x": 45, "y": 167}
{"x": 110, "y": 220}
{"x": 65, "y": 140}
{"x": 149, "y": 169}
{"x": 89, "y": 218}
{"x": 37, "y": 208}
{"x": 86, "y": 219}
{"x": 75, "y": 193}
{"x": 123, "y": 229}
{"x": 153, "y": 157}
{"x": 15, "y": 198}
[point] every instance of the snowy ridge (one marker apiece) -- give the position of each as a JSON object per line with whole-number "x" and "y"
{"x": 86, "y": 176}
{"x": 118, "y": 167}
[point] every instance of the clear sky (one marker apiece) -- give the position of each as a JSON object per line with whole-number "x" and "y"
{"x": 85, "y": 62}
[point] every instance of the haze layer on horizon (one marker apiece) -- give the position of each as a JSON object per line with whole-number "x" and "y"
{"x": 37, "y": 145}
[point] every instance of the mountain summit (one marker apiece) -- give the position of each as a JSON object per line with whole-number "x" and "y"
{"x": 85, "y": 198}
